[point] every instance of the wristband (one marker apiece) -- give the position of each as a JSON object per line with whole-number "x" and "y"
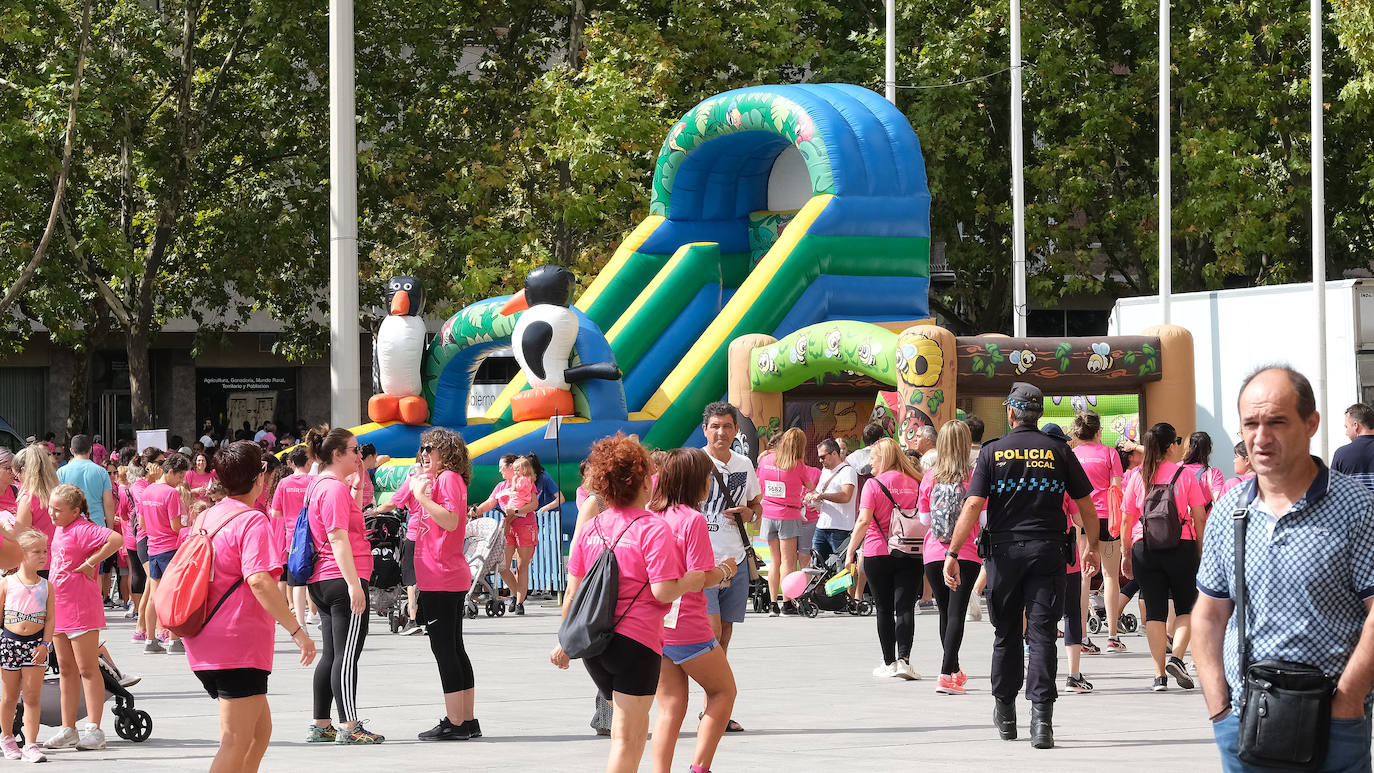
{"x": 298, "y": 630}
{"x": 1217, "y": 716}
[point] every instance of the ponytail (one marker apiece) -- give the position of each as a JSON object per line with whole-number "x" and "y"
{"x": 1157, "y": 441}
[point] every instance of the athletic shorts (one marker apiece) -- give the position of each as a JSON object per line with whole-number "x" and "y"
{"x": 16, "y": 650}
{"x": 681, "y": 653}
{"x": 109, "y": 565}
{"x": 142, "y": 549}
{"x": 1104, "y": 533}
{"x": 806, "y": 537}
{"x": 777, "y": 529}
{"x": 626, "y": 667}
{"x": 731, "y": 600}
{"x": 158, "y": 564}
{"x": 407, "y": 562}
{"x": 522, "y": 535}
{"x": 234, "y": 683}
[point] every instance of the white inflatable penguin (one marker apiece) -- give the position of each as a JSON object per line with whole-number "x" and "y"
{"x": 543, "y": 341}
{"x": 400, "y": 349}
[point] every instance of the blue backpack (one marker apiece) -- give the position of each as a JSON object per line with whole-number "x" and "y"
{"x": 300, "y": 562}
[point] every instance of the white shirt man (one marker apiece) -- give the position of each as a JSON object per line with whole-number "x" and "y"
{"x": 838, "y": 498}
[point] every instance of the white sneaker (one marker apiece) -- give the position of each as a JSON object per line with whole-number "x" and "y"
{"x": 885, "y": 671}
{"x": 903, "y": 670}
{"x": 32, "y": 753}
{"x": 92, "y": 738}
{"x": 312, "y": 619}
{"x": 975, "y": 611}
{"x": 65, "y": 738}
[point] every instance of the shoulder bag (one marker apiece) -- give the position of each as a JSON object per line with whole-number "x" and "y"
{"x": 1285, "y": 707}
{"x": 751, "y": 559}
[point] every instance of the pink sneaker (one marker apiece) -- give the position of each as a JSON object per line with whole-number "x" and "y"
{"x": 32, "y": 753}
{"x": 947, "y": 685}
{"x": 140, "y": 637}
{"x": 961, "y": 678}
{"x": 10, "y": 747}
{"x": 164, "y": 636}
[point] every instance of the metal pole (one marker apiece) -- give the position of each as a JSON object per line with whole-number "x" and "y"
{"x": 1166, "y": 265}
{"x": 1319, "y": 222}
{"x": 345, "y": 404}
{"x": 1018, "y": 184}
{"x": 890, "y": 52}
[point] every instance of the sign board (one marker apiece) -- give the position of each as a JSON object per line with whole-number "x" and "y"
{"x": 152, "y": 438}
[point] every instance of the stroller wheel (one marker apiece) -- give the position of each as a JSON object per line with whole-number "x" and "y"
{"x": 1129, "y": 622}
{"x": 810, "y": 609}
{"x": 393, "y": 620}
{"x": 1094, "y": 624}
{"x": 491, "y": 609}
{"x": 134, "y": 725}
{"x": 865, "y": 608}
{"x": 471, "y": 611}
{"x": 500, "y": 609}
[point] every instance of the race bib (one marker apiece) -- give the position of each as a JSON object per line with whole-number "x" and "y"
{"x": 670, "y": 619}
{"x": 775, "y": 489}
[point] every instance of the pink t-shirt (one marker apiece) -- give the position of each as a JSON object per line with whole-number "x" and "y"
{"x": 512, "y": 496}
{"x": 646, "y": 552}
{"x": 8, "y": 502}
{"x": 78, "y": 606}
{"x": 240, "y": 634}
{"x": 907, "y": 491}
{"x": 1233, "y": 482}
{"x": 157, "y": 506}
{"x": 362, "y": 482}
{"x": 439, "y": 561}
{"x": 42, "y": 521}
{"x": 1213, "y": 482}
{"x": 332, "y": 507}
{"x": 782, "y": 489}
{"x": 287, "y": 500}
{"x": 689, "y": 529}
{"x": 195, "y": 480}
{"x": 1101, "y": 465}
{"x": 1187, "y": 493}
{"x": 124, "y": 511}
{"x": 404, "y": 500}
{"x": 933, "y": 549}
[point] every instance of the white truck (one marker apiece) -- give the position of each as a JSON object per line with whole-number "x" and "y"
{"x": 1234, "y": 331}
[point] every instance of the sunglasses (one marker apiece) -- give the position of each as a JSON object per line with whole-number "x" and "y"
{"x": 1178, "y": 441}
{"x": 426, "y": 449}
{"x": 352, "y": 450}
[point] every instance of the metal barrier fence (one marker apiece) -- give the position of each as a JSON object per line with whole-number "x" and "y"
{"x": 547, "y": 569}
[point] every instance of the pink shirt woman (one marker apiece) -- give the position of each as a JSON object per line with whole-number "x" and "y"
{"x": 782, "y": 489}
{"x": 1102, "y": 465}
{"x": 439, "y": 561}
{"x": 241, "y": 634}
{"x": 78, "y": 607}
{"x": 1187, "y": 493}
{"x": 933, "y": 549}
{"x": 905, "y": 490}
{"x": 690, "y": 625}
{"x": 332, "y": 507}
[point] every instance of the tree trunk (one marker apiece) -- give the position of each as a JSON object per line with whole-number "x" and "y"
{"x": 140, "y": 378}
{"x": 79, "y": 400}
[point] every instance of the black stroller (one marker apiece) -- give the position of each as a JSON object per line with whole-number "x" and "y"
{"x": 386, "y": 594}
{"x": 816, "y": 600}
{"x": 131, "y": 724}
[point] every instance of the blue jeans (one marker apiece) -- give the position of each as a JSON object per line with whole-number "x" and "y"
{"x": 1348, "y": 751}
{"x": 828, "y": 542}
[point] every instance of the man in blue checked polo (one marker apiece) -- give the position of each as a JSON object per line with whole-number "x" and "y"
{"x": 1023, "y": 477}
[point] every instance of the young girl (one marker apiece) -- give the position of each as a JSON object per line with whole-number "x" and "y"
{"x": 28, "y": 602}
{"x": 78, "y": 547}
{"x": 517, "y": 496}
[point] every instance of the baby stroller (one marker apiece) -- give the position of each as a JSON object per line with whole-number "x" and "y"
{"x": 1097, "y": 621}
{"x": 484, "y": 548}
{"x": 386, "y": 594}
{"x": 818, "y": 599}
{"x": 131, "y": 724}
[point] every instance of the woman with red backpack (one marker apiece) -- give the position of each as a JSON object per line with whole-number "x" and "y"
{"x": 231, "y": 654}
{"x": 894, "y": 573}
{"x": 1164, "y": 523}
{"x": 943, "y": 489}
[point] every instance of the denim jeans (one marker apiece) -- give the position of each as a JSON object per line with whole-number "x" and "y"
{"x": 828, "y": 542}
{"x": 1348, "y": 751}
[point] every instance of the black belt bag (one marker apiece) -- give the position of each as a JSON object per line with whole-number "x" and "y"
{"x": 1285, "y": 707}
{"x": 1067, "y": 539}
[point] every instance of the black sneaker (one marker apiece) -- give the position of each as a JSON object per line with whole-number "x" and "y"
{"x": 789, "y": 609}
{"x": 773, "y": 610}
{"x": 472, "y": 728}
{"x": 520, "y": 609}
{"x": 446, "y": 731}
{"x": 1179, "y": 671}
{"x": 513, "y": 605}
{"x": 1160, "y": 684}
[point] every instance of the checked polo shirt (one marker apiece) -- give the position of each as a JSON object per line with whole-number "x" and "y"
{"x": 1308, "y": 573}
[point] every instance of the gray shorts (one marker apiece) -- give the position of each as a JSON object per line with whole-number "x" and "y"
{"x": 729, "y": 601}
{"x": 776, "y": 529}
{"x": 806, "y": 537}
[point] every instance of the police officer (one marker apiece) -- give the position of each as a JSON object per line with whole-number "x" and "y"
{"x": 1022, "y": 477}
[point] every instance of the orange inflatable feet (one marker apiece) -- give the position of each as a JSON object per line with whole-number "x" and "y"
{"x": 383, "y": 408}
{"x": 541, "y": 403}
{"x": 414, "y": 410}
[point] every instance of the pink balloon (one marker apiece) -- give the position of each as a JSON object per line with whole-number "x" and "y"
{"x": 794, "y": 584}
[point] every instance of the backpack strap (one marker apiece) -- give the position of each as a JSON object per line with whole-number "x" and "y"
{"x": 611, "y": 547}
{"x": 211, "y": 535}
{"x": 895, "y": 507}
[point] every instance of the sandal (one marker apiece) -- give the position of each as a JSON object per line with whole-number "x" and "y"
{"x": 733, "y": 727}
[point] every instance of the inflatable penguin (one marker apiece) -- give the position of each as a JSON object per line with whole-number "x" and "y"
{"x": 543, "y": 341}
{"x": 399, "y": 351}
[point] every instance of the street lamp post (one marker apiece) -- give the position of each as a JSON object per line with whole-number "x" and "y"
{"x": 1018, "y": 184}
{"x": 344, "y": 364}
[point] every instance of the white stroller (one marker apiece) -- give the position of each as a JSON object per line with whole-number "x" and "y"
{"x": 484, "y": 548}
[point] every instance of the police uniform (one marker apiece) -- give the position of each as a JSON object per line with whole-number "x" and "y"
{"x": 1024, "y": 476}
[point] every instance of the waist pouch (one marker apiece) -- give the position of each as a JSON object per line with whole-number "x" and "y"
{"x": 1285, "y": 715}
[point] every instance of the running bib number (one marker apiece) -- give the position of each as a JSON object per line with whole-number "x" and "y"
{"x": 775, "y": 489}
{"x": 670, "y": 619}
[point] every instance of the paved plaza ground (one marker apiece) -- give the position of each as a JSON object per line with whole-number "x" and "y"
{"x": 806, "y": 699}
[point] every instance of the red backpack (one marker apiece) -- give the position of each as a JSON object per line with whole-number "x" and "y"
{"x": 182, "y": 598}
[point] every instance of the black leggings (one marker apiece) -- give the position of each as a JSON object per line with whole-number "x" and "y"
{"x": 1073, "y": 609}
{"x": 138, "y": 579}
{"x": 442, "y": 613}
{"x": 1163, "y": 574}
{"x": 896, "y": 585}
{"x": 953, "y": 605}
{"x": 342, "y": 634}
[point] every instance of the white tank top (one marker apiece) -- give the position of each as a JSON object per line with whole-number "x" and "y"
{"x": 25, "y": 603}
